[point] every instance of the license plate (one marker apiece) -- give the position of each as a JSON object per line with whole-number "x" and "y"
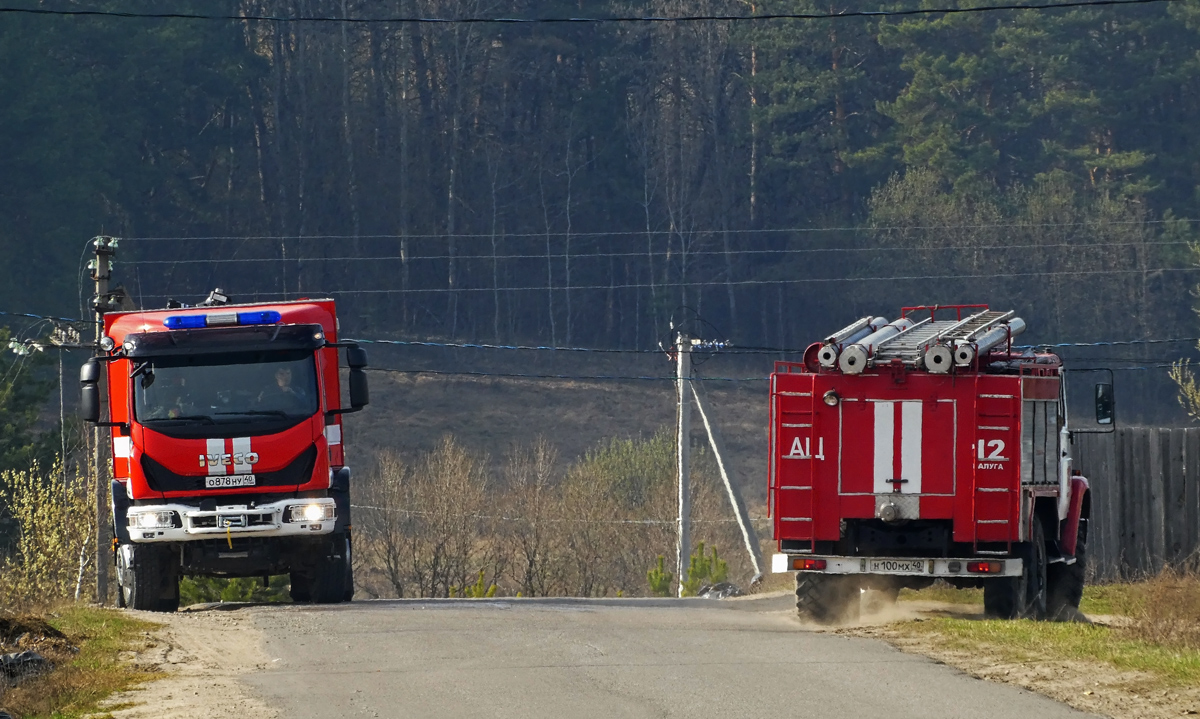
{"x": 239, "y": 480}
{"x": 889, "y": 566}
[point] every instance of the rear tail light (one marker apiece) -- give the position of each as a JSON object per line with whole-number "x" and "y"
{"x": 985, "y": 567}
{"x": 808, "y": 564}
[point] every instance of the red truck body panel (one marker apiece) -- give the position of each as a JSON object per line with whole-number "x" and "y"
{"x": 180, "y": 455}
{"x": 957, "y": 447}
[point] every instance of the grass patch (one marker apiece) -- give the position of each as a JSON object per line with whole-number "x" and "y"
{"x": 1024, "y": 641}
{"x": 83, "y": 679}
{"x": 1121, "y": 599}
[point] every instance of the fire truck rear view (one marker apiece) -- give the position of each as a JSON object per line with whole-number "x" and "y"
{"x": 921, "y": 449}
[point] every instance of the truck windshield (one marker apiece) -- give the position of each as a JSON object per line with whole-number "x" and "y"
{"x": 225, "y": 389}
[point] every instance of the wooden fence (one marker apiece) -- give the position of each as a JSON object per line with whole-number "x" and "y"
{"x": 1145, "y": 500}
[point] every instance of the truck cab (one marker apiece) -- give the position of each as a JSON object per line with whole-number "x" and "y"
{"x": 226, "y": 440}
{"x": 926, "y": 448}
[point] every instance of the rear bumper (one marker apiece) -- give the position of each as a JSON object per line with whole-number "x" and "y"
{"x": 263, "y": 520}
{"x": 900, "y": 566}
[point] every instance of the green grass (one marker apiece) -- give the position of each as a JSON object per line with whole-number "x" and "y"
{"x": 1023, "y": 641}
{"x": 81, "y": 681}
{"x": 1122, "y": 599}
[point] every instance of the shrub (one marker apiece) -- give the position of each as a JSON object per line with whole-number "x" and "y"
{"x": 660, "y": 579}
{"x": 703, "y": 570}
{"x": 56, "y": 527}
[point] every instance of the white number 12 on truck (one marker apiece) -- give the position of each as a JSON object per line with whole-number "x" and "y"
{"x": 227, "y": 446}
{"x": 928, "y": 448}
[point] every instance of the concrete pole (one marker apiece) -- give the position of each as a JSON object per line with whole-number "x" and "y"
{"x": 683, "y": 381}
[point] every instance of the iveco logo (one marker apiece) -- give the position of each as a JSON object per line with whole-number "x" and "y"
{"x": 221, "y": 460}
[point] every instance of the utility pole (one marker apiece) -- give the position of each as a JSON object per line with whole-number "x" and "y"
{"x": 683, "y": 381}
{"x": 688, "y": 390}
{"x": 105, "y": 249}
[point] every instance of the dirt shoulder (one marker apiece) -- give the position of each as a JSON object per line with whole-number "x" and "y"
{"x": 1039, "y": 656}
{"x": 203, "y": 654}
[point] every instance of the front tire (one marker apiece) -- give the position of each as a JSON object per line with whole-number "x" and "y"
{"x": 827, "y": 598}
{"x": 1022, "y": 597}
{"x": 148, "y": 577}
{"x": 325, "y": 581}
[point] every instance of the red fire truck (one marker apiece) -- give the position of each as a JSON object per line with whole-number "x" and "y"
{"x": 922, "y": 449}
{"x": 227, "y": 446}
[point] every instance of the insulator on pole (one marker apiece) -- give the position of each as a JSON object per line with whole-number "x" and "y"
{"x": 854, "y": 358}
{"x": 828, "y": 356}
{"x": 966, "y": 352}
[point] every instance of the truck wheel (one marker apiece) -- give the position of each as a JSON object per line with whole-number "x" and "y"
{"x": 148, "y": 577}
{"x": 827, "y": 599}
{"x": 1022, "y": 597}
{"x": 1065, "y": 581}
{"x": 349, "y": 595}
{"x": 325, "y": 581}
{"x": 300, "y": 589}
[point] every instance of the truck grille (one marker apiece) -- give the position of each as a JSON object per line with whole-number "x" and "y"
{"x": 162, "y": 479}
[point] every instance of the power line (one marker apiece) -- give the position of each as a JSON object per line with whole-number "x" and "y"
{"x": 635, "y": 234}
{"x": 542, "y": 520}
{"x": 490, "y": 20}
{"x": 672, "y": 378}
{"x": 610, "y": 255}
{"x": 44, "y": 317}
{"x": 566, "y": 377}
{"x": 745, "y": 283}
{"x": 728, "y": 350}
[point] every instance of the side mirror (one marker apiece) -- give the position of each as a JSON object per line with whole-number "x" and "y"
{"x": 360, "y": 396}
{"x": 1104, "y": 404}
{"x": 356, "y": 357}
{"x": 89, "y": 385}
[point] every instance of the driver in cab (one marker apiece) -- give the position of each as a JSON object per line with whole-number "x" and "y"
{"x": 283, "y": 395}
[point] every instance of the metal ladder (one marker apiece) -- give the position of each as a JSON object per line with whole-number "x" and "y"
{"x": 910, "y": 345}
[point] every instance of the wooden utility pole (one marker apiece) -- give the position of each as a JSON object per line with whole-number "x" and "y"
{"x": 105, "y": 249}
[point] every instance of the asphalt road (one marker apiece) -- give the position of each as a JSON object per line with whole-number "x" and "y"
{"x": 567, "y": 658}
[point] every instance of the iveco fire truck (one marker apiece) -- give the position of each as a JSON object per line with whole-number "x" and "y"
{"x": 227, "y": 446}
{"x": 928, "y": 448}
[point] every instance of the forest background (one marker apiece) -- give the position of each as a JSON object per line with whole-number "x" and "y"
{"x": 586, "y": 184}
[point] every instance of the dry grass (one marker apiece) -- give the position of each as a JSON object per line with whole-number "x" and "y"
{"x": 429, "y": 524}
{"x": 85, "y": 644}
{"x": 1160, "y": 635}
{"x": 1168, "y": 614}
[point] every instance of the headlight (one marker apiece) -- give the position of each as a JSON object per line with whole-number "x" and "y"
{"x": 312, "y": 512}
{"x": 152, "y": 520}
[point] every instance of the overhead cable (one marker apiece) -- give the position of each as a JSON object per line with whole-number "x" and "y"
{"x": 744, "y": 283}
{"x": 610, "y": 255}
{"x": 635, "y": 234}
{"x": 630, "y": 19}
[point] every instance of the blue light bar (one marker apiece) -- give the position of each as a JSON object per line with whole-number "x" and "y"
{"x": 263, "y": 317}
{"x": 193, "y": 322}
{"x": 185, "y": 322}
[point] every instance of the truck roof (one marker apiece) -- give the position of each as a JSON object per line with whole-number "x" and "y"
{"x": 303, "y": 311}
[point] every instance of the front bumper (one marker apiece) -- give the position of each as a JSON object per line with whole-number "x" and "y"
{"x": 263, "y": 520}
{"x": 901, "y": 566}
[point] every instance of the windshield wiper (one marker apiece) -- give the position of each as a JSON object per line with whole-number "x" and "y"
{"x": 265, "y": 412}
{"x": 186, "y": 418}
